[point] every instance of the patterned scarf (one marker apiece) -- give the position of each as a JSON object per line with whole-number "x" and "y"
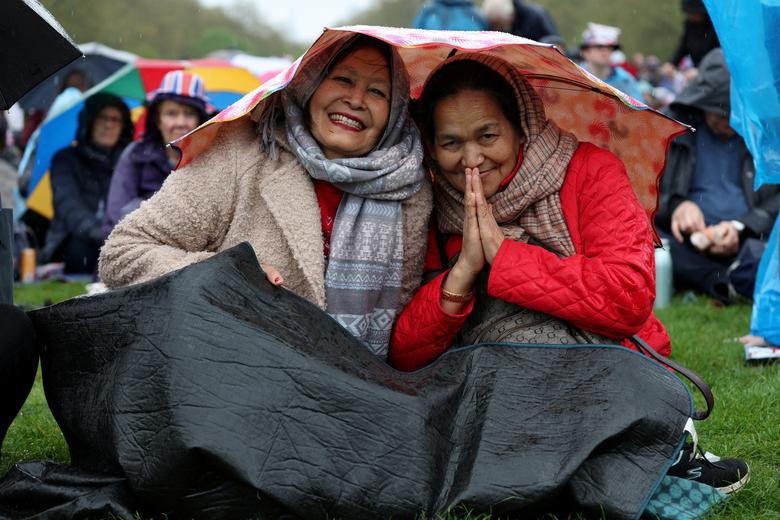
{"x": 363, "y": 275}
{"x": 530, "y": 206}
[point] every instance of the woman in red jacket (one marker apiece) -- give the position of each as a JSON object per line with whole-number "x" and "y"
{"x": 540, "y": 238}
{"x": 543, "y": 236}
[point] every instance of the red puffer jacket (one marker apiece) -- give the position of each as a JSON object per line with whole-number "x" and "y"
{"x": 607, "y": 287}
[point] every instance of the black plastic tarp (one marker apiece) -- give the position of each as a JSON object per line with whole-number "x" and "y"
{"x": 216, "y": 395}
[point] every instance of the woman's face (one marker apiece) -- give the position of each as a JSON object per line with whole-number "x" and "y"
{"x": 107, "y": 127}
{"x": 471, "y": 131}
{"x": 348, "y": 112}
{"x": 176, "y": 119}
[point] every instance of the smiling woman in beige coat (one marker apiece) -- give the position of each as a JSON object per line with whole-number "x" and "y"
{"x": 325, "y": 182}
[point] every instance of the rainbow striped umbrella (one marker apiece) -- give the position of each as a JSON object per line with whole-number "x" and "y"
{"x": 225, "y": 83}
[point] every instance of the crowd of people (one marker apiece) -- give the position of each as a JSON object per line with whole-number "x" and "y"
{"x": 337, "y": 162}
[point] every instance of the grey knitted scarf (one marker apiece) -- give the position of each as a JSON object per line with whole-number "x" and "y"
{"x": 363, "y": 274}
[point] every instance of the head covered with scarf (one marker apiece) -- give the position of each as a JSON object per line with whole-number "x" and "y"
{"x": 529, "y": 206}
{"x": 363, "y": 274}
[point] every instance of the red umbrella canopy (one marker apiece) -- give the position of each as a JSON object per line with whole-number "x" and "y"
{"x": 574, "y": 99}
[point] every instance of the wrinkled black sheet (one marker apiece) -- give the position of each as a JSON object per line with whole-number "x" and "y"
{"x": 216, "y": 395}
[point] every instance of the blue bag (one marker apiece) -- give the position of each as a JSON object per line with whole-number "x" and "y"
{"x": 681, "y": 499}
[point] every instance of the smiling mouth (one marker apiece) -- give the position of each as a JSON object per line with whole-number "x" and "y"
{"x": 349, "y": 122}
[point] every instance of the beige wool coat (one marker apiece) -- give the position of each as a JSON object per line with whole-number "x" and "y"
{"x": 233, "y": 193}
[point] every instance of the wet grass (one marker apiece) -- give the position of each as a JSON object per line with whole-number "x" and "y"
{"x": 40, "y": 294}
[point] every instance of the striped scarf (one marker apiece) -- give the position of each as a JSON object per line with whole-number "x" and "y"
{"x": 530, "y": 206}
{"x": 363, "y": 275}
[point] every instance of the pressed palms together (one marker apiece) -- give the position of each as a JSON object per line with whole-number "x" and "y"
{"x": 482, "y": 237}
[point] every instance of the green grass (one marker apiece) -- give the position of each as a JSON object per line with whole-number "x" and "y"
{"x": 744, "y": 423}
{"x": 746, "y": 419}
{"x": 46, "y": 293}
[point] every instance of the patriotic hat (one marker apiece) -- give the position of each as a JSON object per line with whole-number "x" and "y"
{"x": 600, "y": 35}
{"x": 182, "y": 87}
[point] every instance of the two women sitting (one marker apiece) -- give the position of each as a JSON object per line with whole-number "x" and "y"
{"x": 540, "y": 238}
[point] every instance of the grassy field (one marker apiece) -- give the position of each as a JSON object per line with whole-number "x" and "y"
{"x": 745, "y": 422}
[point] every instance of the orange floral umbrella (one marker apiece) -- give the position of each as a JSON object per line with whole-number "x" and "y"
{"x": 575, "y": 99}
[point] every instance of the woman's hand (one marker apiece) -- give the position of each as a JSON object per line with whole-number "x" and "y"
{"x": 460, "y": 280}
{"x": 490, "y": 233}
{"x": 472, "y": 257}
{"x": 273, "y": 274}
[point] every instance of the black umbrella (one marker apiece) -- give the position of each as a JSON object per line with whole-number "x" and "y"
{"x": 33, "y": 45}
{"x": 99, "y": 62}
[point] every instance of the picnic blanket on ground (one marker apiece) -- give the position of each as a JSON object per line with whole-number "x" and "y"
{"x": 209, "y": 393}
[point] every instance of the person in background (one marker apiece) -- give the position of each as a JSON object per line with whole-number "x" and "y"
{"x": 598, "y": 43}
{"x": 450, "y": 15}
{"x": 698, "y": 37}
{"x": 708, "y": 207}
{"x": 74, "y": 84}
{"x": 176, "y": 108}
{"x": 71, "y": 91}
{"x": 80, "y": 178}
{"x": 619, "y": 59}
{"x": 75, "y": 79}
{"x": 520, "y": 18}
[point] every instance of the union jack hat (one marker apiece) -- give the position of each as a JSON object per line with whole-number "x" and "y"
{"x": 600, "y": 35}
{"x": 180, "y": 84}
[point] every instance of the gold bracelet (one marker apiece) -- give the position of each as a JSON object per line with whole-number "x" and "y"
{"x": 455, "y": 297}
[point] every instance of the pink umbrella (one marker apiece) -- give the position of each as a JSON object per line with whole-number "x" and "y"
{"x": 575, "y": 99}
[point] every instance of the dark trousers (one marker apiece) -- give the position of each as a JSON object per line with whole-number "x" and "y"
{"x": 18, "y": 363}
{"x": 693, "y": 270}
{"x": 713, "y": 275}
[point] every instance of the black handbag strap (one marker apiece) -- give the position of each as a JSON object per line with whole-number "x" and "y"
{"x": 692, "y": 376}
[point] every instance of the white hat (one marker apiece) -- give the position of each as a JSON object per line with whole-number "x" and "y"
{"x": 598, "y": 34}
{"x": 498, "y": 9}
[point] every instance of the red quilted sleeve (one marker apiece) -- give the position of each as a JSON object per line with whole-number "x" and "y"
{"x": 608, "y": 286}
{"x": 424, "y": 331}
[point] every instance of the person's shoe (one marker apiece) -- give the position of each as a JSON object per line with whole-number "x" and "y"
{"x": 725, "y": 475}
